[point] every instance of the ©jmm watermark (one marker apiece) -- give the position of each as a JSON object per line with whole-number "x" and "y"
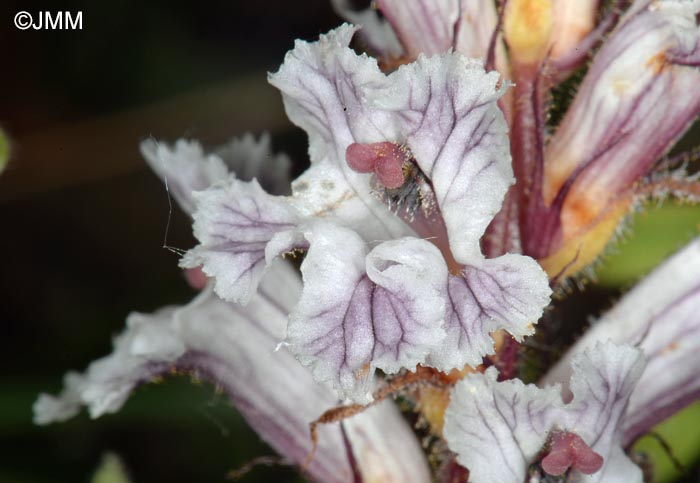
{"x": 49, "y": 20}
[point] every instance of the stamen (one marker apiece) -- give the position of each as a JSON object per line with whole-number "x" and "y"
{"x": 569, "y": 450}
{"x": 405, "y": 189}
{"x": 414, "y": 197}
{"x": 384, "y": 159}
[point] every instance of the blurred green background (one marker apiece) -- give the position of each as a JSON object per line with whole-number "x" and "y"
{"x": 84, "y": 222}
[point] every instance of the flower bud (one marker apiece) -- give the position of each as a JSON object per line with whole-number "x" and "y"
{"x": 660, "y": 316}
{"x": 639, "y": 97}
{"x": 527, "y": 26}
{"x": 573, "y": 20}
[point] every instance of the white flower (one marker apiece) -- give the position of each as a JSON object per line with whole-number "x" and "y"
{"x": 499, "y": 429}
{"x": 236, "y": 348}
{"x": 376, "y": 296}
{"x": 660, "y": 316}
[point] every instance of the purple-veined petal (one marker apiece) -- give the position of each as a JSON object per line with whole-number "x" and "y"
{"x": 426, "y": 27}
{"x": 361, "y": 310}
{"x": 376, "y": 31}
{"x": 234, "y": 223}
{"x": 322, "y": 85}
{"x": 448, "y": 115}
{"x": 661, "y": 315}
{"x": 235, "y": 349}
{"x": 423, "y": 26}
{"x": 430, "y": 27}
{"x": 638, "y": 98}
{"x": 509, "y": 292}
{"x": 184, "y": 168}
{"x": 498, "y": 429}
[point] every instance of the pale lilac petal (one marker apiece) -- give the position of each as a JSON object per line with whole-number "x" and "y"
{"x": 140, "y": 354}
{"x": 661, "y": 315}
{"x": 386, "y": 447}
{"x": 235, "y": 349}
{"x": 498, "y": 429}
{"x": 251, "y": 158}
{"x": 56, "y": 409}
{"x": 436, "y": 27}
{"x": 322, "y": 192}
{"x": 423, "y": 26}
{"x": 184, "y": 168}
{"x": 362, "y": 310}
{"x": 509, "y": 292}
{"x": 234, "y": 222}
{"x": 376, "y": 31}
{"x": 602, "y": 381}
{"x": 448, "y": 114}
{"x": 478, "y": 19}
{"x": 323, "y": 86}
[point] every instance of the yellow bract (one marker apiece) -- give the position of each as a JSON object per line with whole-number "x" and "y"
{"x": 578, "y": 252}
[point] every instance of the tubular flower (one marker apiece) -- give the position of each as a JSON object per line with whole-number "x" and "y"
{"x": 235, "y": 348}
{"x": 375, "y": 295}
{"x": 410, "y": 28}
{"x": 638, "y": 97}
{"x": 661, "y": 316}
{"x": 574, "y": 185}
{"x": 503, "y": 431}
{"x": 438, "y": 208}
{"x": 506, "y": 431}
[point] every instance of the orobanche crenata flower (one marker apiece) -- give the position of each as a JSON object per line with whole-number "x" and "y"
{"x": 440, "y": 208}
{"x": 616, "y": 393}
{"x": 235, "y": 347}
{"x": 408, "y": 170}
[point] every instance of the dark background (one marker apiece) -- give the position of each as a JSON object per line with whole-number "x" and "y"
{"x": 83, "y": 219}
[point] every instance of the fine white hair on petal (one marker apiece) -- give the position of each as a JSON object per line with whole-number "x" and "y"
{"x": 448, "y": 113}
{"x": 508, "y": 292}
{"x": 235, "y": 349}
{"x": 234, "y": 222}
{"x": 363, "y": 310}
{"x": 497, "y": 429}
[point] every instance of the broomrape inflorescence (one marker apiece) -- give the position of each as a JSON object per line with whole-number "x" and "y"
{"x": 437, "y": 212}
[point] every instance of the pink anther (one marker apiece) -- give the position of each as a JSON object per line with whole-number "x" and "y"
{"x": 384, "y": 159}
{"x": 569, "y": 450}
